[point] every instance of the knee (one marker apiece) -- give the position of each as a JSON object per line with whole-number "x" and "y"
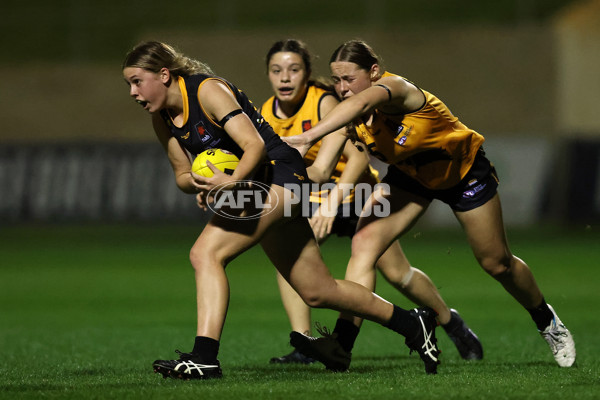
{"x": 201, "y": 259}
{"x": 361, "y": 242}
{"x": 314, "y": 301}
{"x": 498, "y": 266}
{"x": 196, "y": 258}
{"x": 314, "y": 297}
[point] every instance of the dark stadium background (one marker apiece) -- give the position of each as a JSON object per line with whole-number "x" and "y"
{"x": 521, "y": 72}
{"x": 95, "y": 280}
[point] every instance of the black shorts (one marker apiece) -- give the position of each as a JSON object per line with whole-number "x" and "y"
{"x": 286, "y": 166}
{"x": 474, "y": 190}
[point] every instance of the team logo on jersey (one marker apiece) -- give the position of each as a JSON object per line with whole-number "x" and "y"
{"x": 404, "y": 137}
{"x": 203, "y": 134}
{"x": 306, "y": 125}
{"x": 186, "y": 136}
{"x": 300, "y": 177}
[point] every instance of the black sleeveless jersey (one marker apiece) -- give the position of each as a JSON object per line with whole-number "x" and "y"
{"x": 200, "y": 132}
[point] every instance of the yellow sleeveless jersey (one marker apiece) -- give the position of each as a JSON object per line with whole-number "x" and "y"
{"x": 307, "y": 116}
{"x": 430, "y": 145}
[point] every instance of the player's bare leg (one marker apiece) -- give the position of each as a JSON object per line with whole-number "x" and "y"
{"x": 373, "y": 235}
{"x": 220, "y": 242}
{"x": 297, "y": 311}
{"x": 485, "y": 231}
{"x": 411, "y": 282}
{"x": 299, "y": 316}
{"x": 295, "y": 253}
{"x": 298, "y": 259}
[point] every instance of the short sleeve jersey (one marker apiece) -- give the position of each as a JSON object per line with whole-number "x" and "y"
{"x": 430, "y": 145}
{"x": 200, "y": 132}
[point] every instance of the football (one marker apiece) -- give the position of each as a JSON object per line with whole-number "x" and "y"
{"x": 224, "y": 160}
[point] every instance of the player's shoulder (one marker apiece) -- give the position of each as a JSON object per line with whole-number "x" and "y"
{"x": 267, "y": 109}
{"x": 325, "y": 99}
{"x": 328, "y": 101}
{"x": 213, "y": 83}
{"x": 390, "y": 80}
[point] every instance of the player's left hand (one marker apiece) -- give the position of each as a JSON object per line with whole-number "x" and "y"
{"x": 321, "y": 224}
{"x": 220, "y": 179}
{"x": 204, "y": 185}
{"x": 201, "y": 201}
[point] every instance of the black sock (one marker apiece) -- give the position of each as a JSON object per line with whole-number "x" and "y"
{"x": 347, "y": 333}
{"x": 454, "y": 323}
{"x": 206, "y": 349}
{"x": 403, "y": 323}
{"x": 541, "y": 315}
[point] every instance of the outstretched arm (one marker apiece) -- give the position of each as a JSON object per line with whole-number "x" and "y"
{"x": 393, "y": 94}
{"x": 356, "y": 164}
{"x": 344, "y": 113}
{"x": 332, "y": 146}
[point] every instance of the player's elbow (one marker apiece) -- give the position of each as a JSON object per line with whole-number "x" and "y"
{"x": 361, "y": 105}
{"x": 317, "y": 175}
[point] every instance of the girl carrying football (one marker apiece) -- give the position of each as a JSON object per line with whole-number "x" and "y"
{"x": 298, "y": 104}
{"x": 192, "y": 110}
{"x": 430, "y": 155}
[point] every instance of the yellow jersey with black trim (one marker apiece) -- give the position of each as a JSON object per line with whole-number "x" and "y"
{"x": 305, "y": 118}
{"x": 430, "y": 145}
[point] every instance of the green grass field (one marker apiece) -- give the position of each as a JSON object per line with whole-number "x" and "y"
{"x": 84, "y": 310}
